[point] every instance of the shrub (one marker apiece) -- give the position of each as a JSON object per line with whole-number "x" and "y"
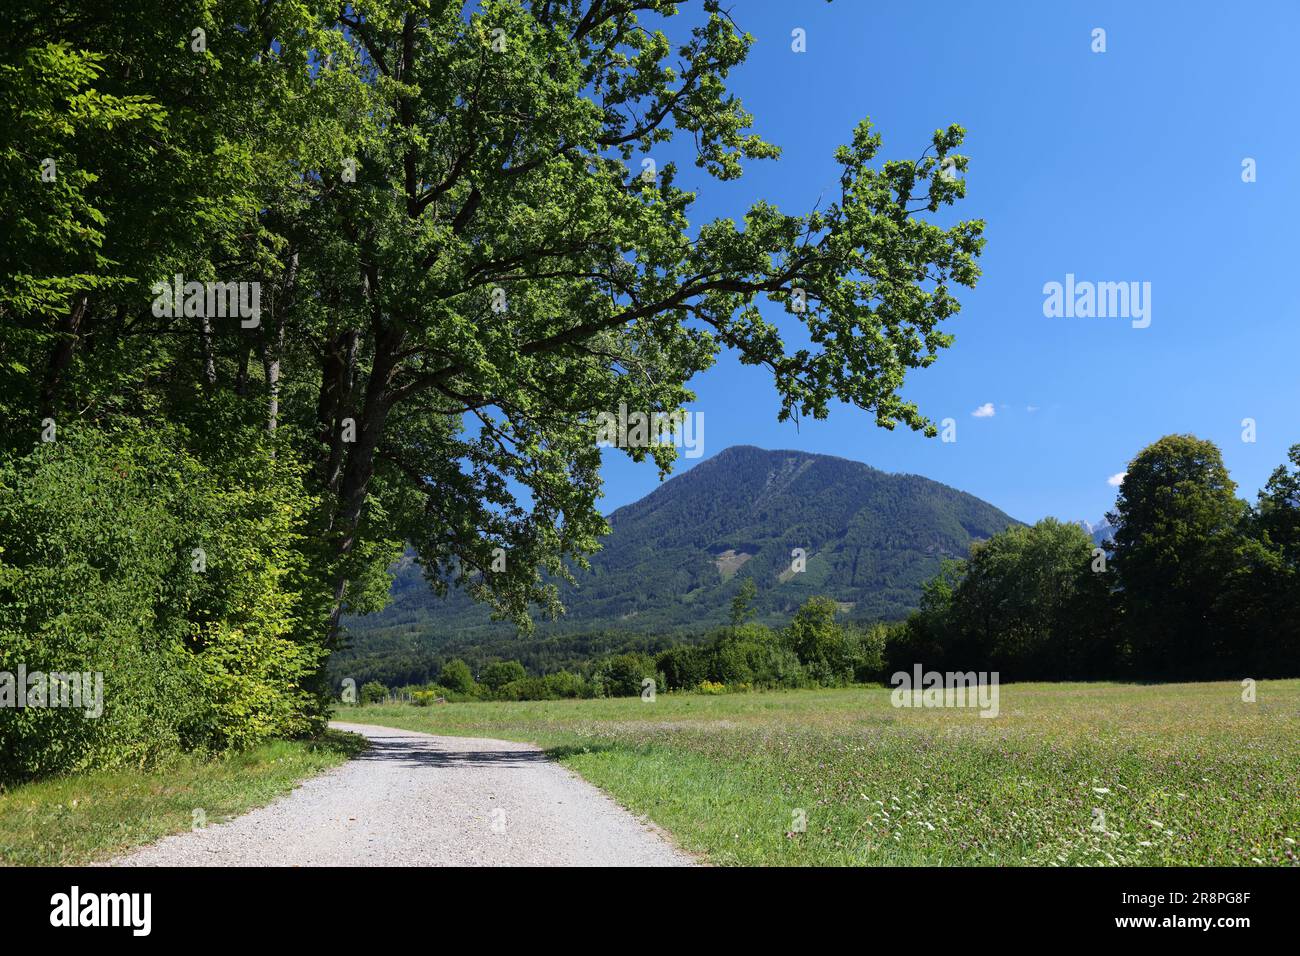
{"x": 557, "y": 686}
{"x": 622, "y": 675}
{"x": 499, "y": 673}
{"x": 752, "y": 654}
{"x": 820, "y": 642}
{"x": 456, "y": 677}
{"x": 731, "y": 663}
{"x": 529, "y": 688}
{"x": 867, "y": 651}
{"x": 683, "y": 666}
{"x": 183, "y": 584}
{"x": 711, "y": 687}
{"x": 373, "y": 692}
{"x": 563, "y": 684}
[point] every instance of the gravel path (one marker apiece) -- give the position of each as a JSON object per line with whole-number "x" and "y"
{"x": 414, "y": 799}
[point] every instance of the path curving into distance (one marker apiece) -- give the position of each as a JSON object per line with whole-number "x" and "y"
{"x": 415, "y": 799}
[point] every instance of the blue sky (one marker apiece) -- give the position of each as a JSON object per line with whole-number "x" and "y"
{"x": 1116, "y": 166}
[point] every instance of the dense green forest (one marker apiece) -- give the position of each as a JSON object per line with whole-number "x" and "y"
{"x": 290, "y": 287}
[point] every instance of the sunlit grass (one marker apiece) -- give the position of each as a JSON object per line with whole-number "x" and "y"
{"x": 1067, "y": 774}
{"x": 80, "y": 819}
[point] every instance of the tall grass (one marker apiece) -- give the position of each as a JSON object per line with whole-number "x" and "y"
{"x": 1067, "y": 774}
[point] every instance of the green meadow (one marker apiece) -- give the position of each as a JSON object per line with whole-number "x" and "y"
{"x": 1066, "y": 774}
{"x": 83, "y": 818}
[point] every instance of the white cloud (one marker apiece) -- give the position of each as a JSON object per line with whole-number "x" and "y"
{"x": 1116, "y": 480}
{"x": 1031, "y": 409}
{"x": 984, "y": 411}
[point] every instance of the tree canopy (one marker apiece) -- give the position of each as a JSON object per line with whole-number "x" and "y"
{"x": 1196, "y": 584}
{"x": 467, "y": 236}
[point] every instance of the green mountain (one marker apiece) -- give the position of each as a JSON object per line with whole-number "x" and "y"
{"x": 674, "y": 560}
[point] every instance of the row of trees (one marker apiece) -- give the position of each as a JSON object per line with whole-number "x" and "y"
{"x": 814, "y": 650}
{"x": 460, "y": 264}
{"x": 1195, "y": 584}
{"x": 417, "y": 659}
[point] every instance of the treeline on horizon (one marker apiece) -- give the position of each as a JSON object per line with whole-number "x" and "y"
{"x": 1196, "y": 584}
{"x": 812, "y": 650}
{"x": 747, "y": 652}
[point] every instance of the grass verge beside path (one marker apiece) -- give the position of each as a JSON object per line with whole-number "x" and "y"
{"x": 1067, "y": 774}
{"x": 90, "y": 817}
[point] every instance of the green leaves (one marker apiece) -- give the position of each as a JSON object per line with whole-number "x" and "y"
{"x": 99, "y": 574}
{"x": 463, "y": 260}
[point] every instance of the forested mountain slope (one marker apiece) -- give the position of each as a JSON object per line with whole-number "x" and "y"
{"x": 674, "y": 560}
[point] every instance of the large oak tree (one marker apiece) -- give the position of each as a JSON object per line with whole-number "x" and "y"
{"x": 463, "y": 257}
